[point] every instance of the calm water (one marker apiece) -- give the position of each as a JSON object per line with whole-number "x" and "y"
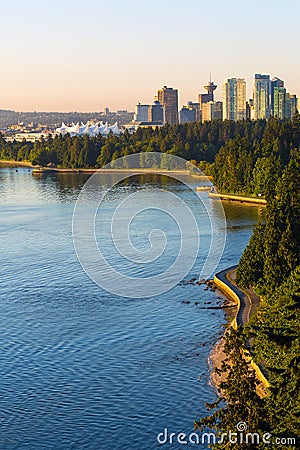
{"x": 80, "y": 367}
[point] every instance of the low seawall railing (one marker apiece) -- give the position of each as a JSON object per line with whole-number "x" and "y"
{"x": 229, "y": 292}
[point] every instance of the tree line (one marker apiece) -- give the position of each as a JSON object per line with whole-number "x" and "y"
{"x": 245, "y": 157}
{"x": 270, "y": 265}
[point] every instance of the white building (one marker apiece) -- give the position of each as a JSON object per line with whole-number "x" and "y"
{"x": 91, "y": 130}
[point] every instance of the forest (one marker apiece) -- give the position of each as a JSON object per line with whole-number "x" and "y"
{"x": 245, "y": 157}
{"x": 270, "y": 265}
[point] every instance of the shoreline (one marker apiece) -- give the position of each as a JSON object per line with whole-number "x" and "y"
{"x": 37, "y": 169}
{"x": 11, "y": 162}
{"x": 246, "y": 302}
{"x": 100, "y": 170}
{"x": 40, "y": 170}
{"x": 239, "y": 198}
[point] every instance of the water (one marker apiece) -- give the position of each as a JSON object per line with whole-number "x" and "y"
{"x": 82, "y": 368}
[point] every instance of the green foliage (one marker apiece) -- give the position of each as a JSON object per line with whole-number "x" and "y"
{"x": 270, "y": 264}
{"x": 251, "y": 265}
{"x": 231, "y": 409}
{"x": 243, "y": 157}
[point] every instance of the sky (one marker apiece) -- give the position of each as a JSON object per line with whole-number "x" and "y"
{"x": 72, "y": 55}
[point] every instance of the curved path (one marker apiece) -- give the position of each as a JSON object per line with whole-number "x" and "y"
{"x": 249, "y": 301}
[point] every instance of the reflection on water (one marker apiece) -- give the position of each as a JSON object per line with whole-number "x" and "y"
{"x": 82, "y": 368}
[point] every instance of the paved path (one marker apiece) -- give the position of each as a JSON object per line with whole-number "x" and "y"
{"x": 249, "y": 300}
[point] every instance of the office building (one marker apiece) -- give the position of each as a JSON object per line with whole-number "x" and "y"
{"x": 187, "y": 114}
{"x": 292, "y": 105}
{"x": 262, "y": 96}
{"x": 212, "y": 111}
{"x": 234, "y": 99}
{"x": 196, "y": 107}
{"x": 141, "y": 113}
{"x": 155, "y": 113}
{"x": 249, "y": 109}
{"x": 280, "y": 103}
{"x": 190, "y": 113}
{"x": 276, "y": 83}
{"x": 168, "y": 98}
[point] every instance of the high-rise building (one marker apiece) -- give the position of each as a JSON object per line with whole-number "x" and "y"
{"x": 196, "y": 107}
{"x": 280, "y": 103}
{"x": 212, "y": 111}
{"x": 141, "y": 113}
{"x": 187, "y": 114}
{"x": 190, "y": 113}
{"x": 156, "y": 113}
{"x": 275, "y": 83}
{"x": 234, "y": 99}
{"x": 249, "y": 109}
{"x": 209, "y": 97}
{"x": 292, "y": 105}
{"x": 168, "y": 97}
{"x": 262, "y": 96}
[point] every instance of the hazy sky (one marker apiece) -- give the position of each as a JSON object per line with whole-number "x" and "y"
{"x": 84, "y": 55}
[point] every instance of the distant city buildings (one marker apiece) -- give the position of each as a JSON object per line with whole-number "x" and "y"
{"x": 234, "y": 99}
{"x": 209, "y": 97}
{"x": 190, "y": 113}
{"x": 141, "y": 113}
{"x": 212, "y": 111}
{"x": 163, "y": 110}
{"x": 187, "y": 114}
{"x": 262, "y": 96}
{"x": 270, "y": 99}
{"x": 168, "y": 98}
{"x": 156, "y": 113}
{"x": 292, "y": 104}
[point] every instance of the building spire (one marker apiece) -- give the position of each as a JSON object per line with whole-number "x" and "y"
{"x": 210, "y": 87}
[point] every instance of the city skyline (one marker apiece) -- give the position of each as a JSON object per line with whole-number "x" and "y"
{"x": 62, "y": 57}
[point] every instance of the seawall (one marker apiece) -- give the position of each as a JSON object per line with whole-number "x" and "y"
{"x": 239, "y": 198}
{"x": 225, "y": 285}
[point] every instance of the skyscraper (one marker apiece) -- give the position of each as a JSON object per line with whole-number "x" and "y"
{"x": 262, "y": 96}
{"x": 141, "y": 113}
{"x": 212, "y": 111}
{"x": 168, "y": 97}
{"x": 187, "y": 114}
{"x": 156, "y": 113}
{"x": 209, "y": 97}
{"x": 280, "y": 102}
{"x": 293, "y": 105}
{"x": 234, "y": 99}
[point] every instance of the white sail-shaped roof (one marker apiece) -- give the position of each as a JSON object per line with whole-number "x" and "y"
{"x": 94, "y": 130}
{"x": 84, "y": 129}
{"x": 114, "y": 128}
{"x": 91, "y": 130}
